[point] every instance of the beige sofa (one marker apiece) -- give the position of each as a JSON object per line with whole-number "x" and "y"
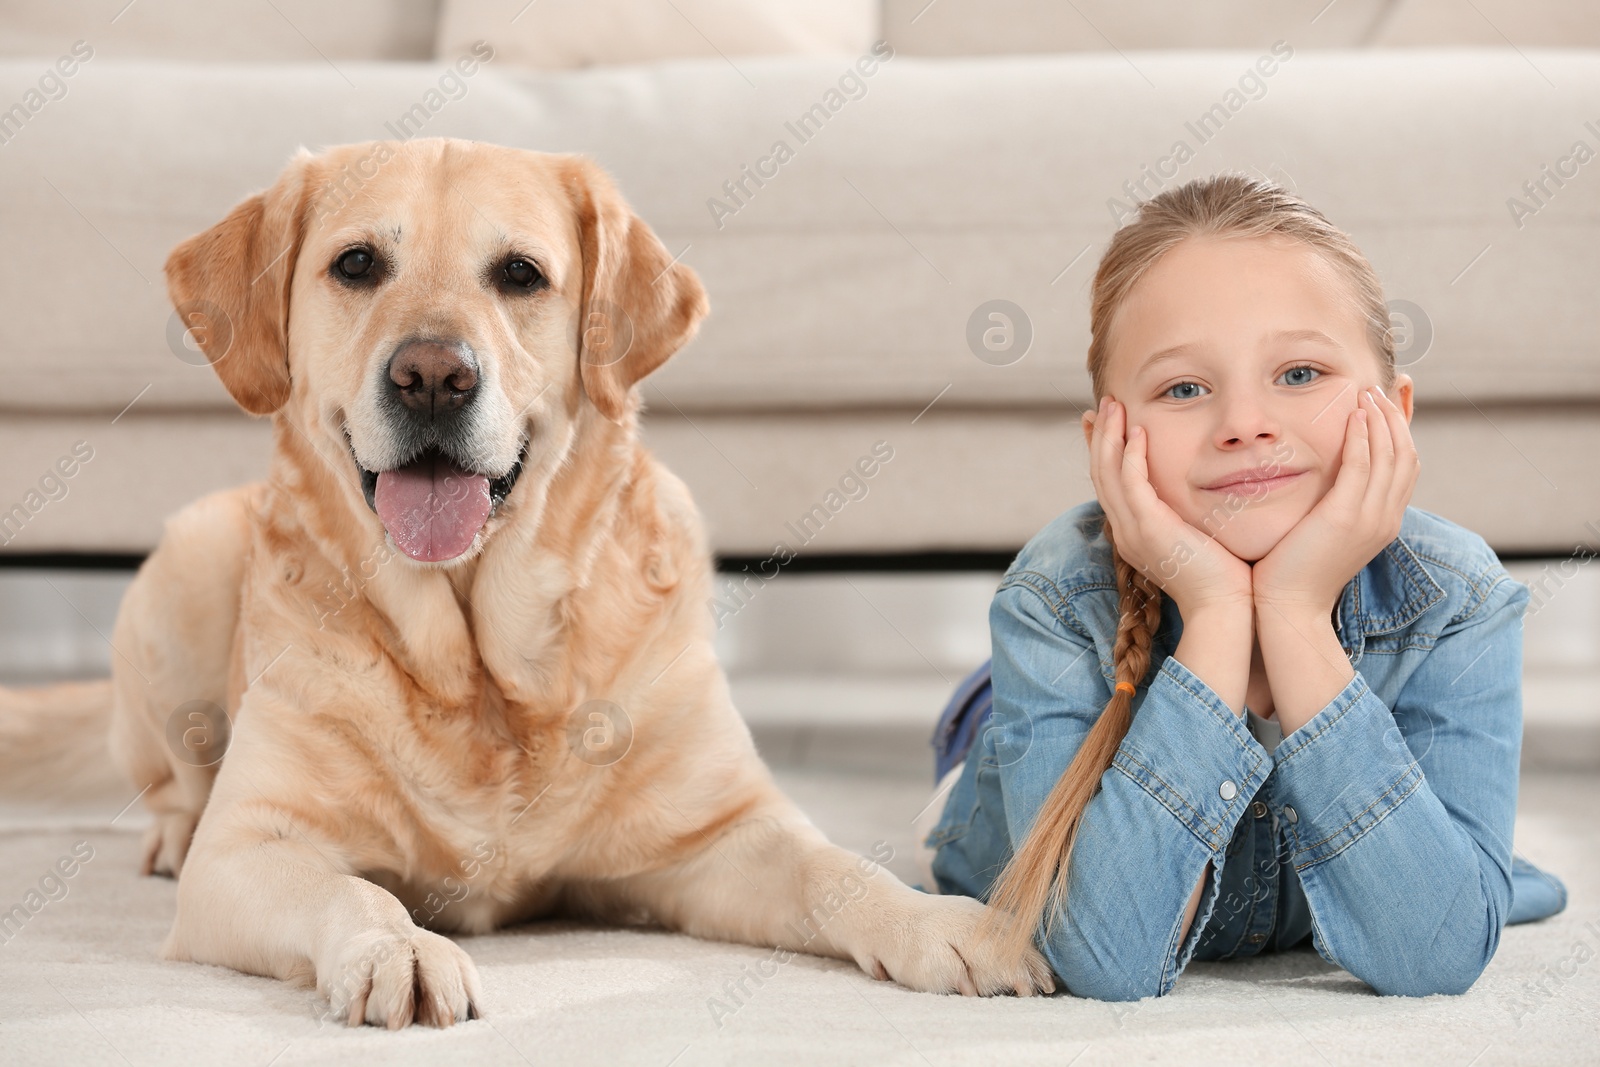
{"x": 987, "y": 155}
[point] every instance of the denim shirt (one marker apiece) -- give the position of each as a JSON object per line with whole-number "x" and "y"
{"x": 1381, "y": 829}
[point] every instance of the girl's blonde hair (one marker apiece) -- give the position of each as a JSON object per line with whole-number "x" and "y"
{"x": 1034, "y": 882}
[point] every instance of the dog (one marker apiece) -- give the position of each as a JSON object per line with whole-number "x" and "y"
{"x": 450, "y": 666}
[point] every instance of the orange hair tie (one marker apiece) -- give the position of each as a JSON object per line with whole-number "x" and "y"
{"x": 1125, "y": 687}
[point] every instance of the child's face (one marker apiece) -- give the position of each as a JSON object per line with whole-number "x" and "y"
{"x": 1243, "y": 395}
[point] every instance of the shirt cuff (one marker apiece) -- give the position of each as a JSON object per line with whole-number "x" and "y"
{"x": 1339, "y": 775}
{"x": 1189, "y": 751}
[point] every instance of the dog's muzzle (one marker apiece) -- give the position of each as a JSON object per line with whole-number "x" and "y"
{"x": 434, "y": 504}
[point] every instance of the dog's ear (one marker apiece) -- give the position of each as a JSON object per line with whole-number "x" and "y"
{"x": 230, "y": 286}
{"x": 638, "y": 305}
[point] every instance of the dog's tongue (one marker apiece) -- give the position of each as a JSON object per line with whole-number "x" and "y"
{"x": 431, "y": 508}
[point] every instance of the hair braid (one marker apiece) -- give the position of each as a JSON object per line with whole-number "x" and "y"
{"x": 1139, "y": 616}
{"x": 1034, "y": 881}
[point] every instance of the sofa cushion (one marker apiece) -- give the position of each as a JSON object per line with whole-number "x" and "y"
{"x": 993, "y": 27}
{"x": 240, "y": 31}
{"x": 997, "y": 27}
{"x": 852, "y": 275}
{"x": 951, "y": 480}
{"x": 1492, "y": 23}
{"x": 561, "y": 34}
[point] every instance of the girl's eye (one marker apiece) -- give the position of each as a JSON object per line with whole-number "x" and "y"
{"x": 1301, "y": 375}
{"x": 1181, "y": 391}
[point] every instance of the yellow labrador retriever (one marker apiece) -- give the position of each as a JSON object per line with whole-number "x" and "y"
{"x": 460, "y": 632}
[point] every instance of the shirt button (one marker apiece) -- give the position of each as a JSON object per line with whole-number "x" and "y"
{"x": 1258, "y": 809}
{"x": 1289, "y": 813}
{"x": 1228, "y": 789}
{"x": 1256, "y": 939}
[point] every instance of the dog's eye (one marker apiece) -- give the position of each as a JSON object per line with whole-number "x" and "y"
{"x": 354, "y": 265}
{"x": 520, "y": 273}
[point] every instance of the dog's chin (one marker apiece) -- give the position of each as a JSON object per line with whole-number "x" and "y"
{"x": 434, "y": 511}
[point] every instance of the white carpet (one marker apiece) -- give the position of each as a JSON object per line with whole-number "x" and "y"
{"x": 81, "y": 983}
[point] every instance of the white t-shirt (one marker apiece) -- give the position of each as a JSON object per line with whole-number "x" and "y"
{"x": 1267, "y": 731}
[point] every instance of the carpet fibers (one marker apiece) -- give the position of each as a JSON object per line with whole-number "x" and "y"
{"x": 81, "y": 982}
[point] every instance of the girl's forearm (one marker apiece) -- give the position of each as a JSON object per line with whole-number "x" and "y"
{"x": 1306, "y": 665}
{"x": 1216, "y": 645}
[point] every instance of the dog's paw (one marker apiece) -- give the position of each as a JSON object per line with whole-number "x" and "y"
{"x": 166, "y": 842}
{"x": 396, "y": 977}
{"x": 938, "y": 950}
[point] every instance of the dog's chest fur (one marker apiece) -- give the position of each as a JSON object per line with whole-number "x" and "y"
{"x": 470, "y": 807}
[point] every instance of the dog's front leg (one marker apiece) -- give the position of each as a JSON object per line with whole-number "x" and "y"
{"x": 259, "y": 895}
{"x": 773, "y": 879}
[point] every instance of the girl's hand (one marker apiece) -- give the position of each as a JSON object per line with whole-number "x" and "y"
{"x": 1308, "y": 569}
{"x": 1189, "y": 566}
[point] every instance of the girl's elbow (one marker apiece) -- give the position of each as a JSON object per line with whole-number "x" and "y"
{"x": 1098, "y": 976}
{"x": 1437, "y": 972}
{"x": 1449, "y": 960}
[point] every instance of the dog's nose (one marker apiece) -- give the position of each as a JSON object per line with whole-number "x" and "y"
{"x": 433, "y": 377}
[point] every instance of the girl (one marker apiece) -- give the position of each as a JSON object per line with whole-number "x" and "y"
{"x": 1247, "y": 696}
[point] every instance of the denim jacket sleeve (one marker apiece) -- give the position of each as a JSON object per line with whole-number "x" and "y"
{"x": 1179, "y": 784}
{"x": 1399, "y": 819}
